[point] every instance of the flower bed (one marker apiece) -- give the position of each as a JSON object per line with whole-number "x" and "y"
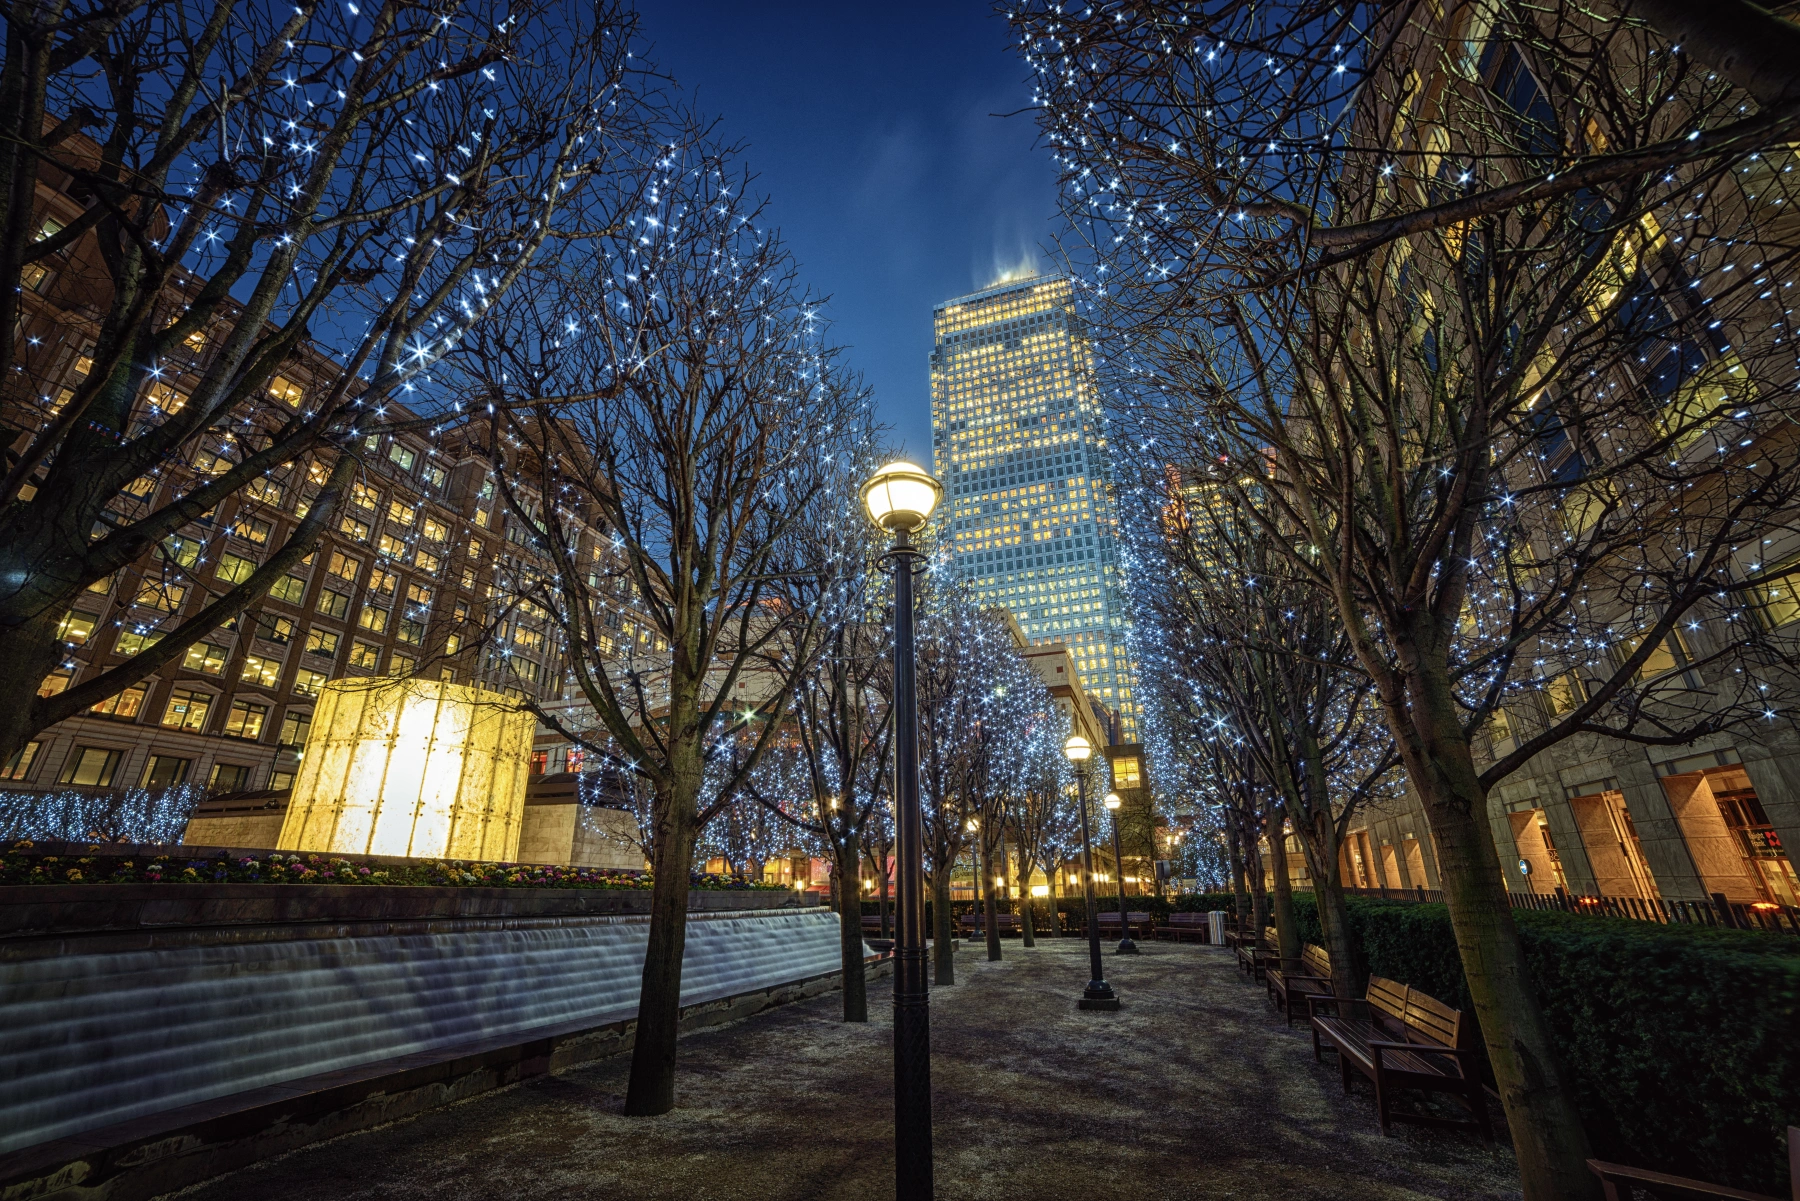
{"x": 24, "y": 864}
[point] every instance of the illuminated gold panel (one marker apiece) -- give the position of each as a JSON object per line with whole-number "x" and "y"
{"x": 411, "y": 767}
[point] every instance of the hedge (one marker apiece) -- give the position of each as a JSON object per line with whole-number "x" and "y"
{"x": 1683, "y": 1042}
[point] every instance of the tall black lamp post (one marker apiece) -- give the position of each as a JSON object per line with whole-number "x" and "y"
{"x": 900, "y": 498}
{"x": 1098, "y": 994}
{"x": 1126, "y": 946}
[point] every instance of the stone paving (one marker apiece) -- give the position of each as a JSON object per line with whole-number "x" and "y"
{"x": 1193, "y": 1090}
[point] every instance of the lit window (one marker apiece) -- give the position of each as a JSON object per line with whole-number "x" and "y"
{"x": 290, "y": 589}
{"x": 204, "y": 657}
{"x": 19, "y": 766}
{"x": 130, "y": 642}
{"x": 121, "y": 704}
{"x": 245, "y": 720}
{"x": 364, "y": 656}
{"x": 92, "y": 766}
{"x": 294, "y": 728}
{"x": 168, "y": 399}
{"x": 187, "y": 710}
{"x": 235, "y": 569}
{"x": 76, "y": 627}
{"x": 286, "y": 391}
{"x": 308, "y": 683}
{"x": 166, "y": 771}
{"x": 260, "y": 671}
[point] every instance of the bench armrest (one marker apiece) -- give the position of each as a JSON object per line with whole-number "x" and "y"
{"x": 1309, "y": 979}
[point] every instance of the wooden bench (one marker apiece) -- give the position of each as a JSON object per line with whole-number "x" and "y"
{"x": 1400, "y": 1037}
{"x": 1254, "y": 957}
{"x": 1006, "y": 923}
{"x": 1300, "y": 981}
{"x": 871, "y": 924}
{"x": 1621, "y": 1183}
{"x": 1139, "y": 923}
{"x": 1183, "y": 926}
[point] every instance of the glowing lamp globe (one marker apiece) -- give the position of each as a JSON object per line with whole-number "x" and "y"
{"x": 420, "y": 768}
{"x": 1112, "y": 800}
{"x": 1077, "y": 749}
{"x": 900, "y": 497}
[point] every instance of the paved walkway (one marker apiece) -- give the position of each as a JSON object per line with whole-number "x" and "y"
{"x": 1193, "y": 1090}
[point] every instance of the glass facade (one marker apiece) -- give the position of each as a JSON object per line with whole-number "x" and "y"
{"x": 1017, "y": 439}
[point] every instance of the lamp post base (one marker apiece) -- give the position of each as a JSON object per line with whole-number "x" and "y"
{"x": 1098, "y": 995}
{"x": 1126, "y": 947}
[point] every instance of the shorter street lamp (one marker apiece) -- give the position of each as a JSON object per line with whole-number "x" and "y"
{"x": 1126, "y": 946}
{"x": 1099, "y": 994}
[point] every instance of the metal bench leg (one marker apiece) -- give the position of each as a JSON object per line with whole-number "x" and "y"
{"x": 1344, "y": 1070}
{"x": 1478, "y": 1105}
{"x": 1381, "y": 1109}
{"x": 1318, "y": 1052}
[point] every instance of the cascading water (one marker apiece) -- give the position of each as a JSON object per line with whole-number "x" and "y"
{"x": 91, "y": 1039}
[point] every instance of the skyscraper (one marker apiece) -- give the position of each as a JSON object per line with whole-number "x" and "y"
{"x": 1016, "y": 437}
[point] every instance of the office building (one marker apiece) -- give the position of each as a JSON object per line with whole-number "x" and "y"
{"x": 1017, "y": 439}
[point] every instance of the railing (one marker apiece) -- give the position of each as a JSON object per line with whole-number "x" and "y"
{"x": 1719, "y": 912}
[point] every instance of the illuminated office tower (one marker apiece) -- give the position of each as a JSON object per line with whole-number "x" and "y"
{"x": 1016, "y": 437}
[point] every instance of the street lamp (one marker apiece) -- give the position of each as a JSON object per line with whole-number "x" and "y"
{"x": 1099, "y": 994}
{"x": 1126, "y": 946}
{"x": 899, "y": 499}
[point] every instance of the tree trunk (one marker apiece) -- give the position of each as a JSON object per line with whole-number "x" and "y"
{"x": 1753, "y": 48}
{"x": 943, "y": 931}
{"x": 850, "y": 940}
{"x": 1259, "y": 888}
{"x": 1349, "y": 972}
{"x": 1548, "y": 1137}
{"x": 1286, "y": 937}
{"x": 652, "y": 1086}
{"x": 990, "y": 907}
{"x": 1027, "y": 908}
{"x": 1240, "y": 893}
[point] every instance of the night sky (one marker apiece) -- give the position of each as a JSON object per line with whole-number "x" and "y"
{"x": 873, "y": 130}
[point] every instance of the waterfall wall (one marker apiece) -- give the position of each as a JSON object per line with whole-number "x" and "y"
{"x": 131, "y": 1016}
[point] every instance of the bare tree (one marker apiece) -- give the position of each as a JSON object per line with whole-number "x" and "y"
{"x": 230, "y": 238}
{"x": 838, "y": 753}
{"x": 697, "y": 442}
{"x": 1264, "y": 649}
{"x": 1493, "y": 299}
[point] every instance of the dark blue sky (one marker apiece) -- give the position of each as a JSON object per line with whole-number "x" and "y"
{"x": 871, "y": 129}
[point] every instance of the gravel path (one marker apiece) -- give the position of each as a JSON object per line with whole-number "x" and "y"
{"x": 1193, "y": 1090}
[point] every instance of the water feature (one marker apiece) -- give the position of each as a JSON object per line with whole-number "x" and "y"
{"x": 95, "y": 1038}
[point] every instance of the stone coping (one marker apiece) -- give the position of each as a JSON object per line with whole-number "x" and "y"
{"x": 60, "y": 919}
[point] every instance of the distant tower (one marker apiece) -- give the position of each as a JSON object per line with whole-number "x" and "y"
{"x": 1016, "y": 438}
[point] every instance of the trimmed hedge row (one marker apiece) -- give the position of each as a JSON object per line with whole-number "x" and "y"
{"x": 1683, "y": 1042}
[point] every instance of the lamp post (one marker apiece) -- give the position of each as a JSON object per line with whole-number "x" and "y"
{"x": 1126, "y": 946}
{"x": 1099, "y": 994}
{"x": 899, "y": 499}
